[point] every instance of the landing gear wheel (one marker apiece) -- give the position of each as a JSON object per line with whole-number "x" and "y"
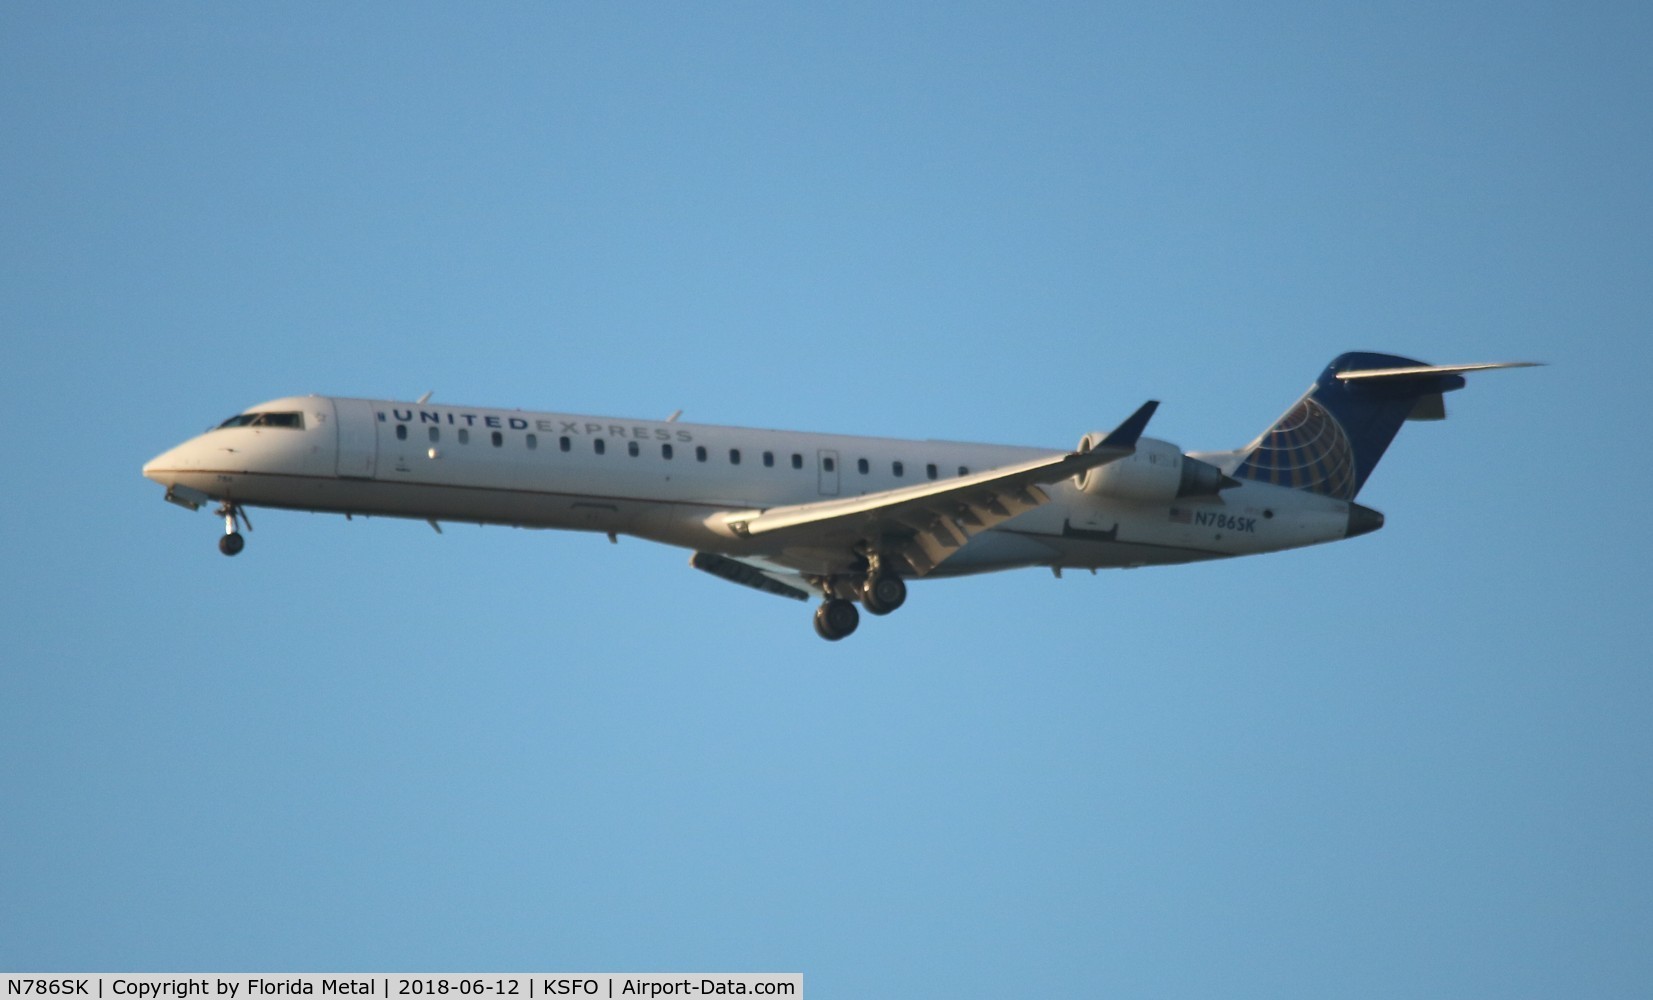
{"x": 232, "y": 542}
{"x": 835, "y": 619}
{"x": 882, "y": 593}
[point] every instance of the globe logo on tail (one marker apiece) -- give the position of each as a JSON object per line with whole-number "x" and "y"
{"x": 1305, "y": 450}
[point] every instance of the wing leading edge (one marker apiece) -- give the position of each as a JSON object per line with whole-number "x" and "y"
{"x": 927, "y": 523}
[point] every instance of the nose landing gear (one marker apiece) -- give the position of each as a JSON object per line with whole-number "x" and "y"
{"x": 232, "y": 542}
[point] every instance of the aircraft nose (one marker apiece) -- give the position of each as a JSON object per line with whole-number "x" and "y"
{"x": 162, "y": 467}
{"x": 152, "y": 468}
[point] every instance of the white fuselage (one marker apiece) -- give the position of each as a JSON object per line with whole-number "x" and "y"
{"x": 676, "y": 482}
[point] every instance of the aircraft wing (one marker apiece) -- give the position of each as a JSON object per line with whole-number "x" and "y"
{"x": 927, "y": 523}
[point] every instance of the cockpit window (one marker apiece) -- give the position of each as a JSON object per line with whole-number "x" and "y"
{"x": 293, "y": 420}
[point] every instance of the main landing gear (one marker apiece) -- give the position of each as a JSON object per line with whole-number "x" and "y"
{"x": 879, "y": 592}
{"x": 882, "y": 593}
{"x": 232, "y": 542}
{"x": 836, "y": 618}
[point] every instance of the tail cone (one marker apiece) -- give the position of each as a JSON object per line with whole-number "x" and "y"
{"x": 1363, "y": 520}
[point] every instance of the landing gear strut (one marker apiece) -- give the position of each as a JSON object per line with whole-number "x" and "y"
{"x": 232, "y": 542}
{"x": 836, "y": 618}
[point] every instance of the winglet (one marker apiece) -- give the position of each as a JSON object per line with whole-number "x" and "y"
{"x": 1125, "y": 435}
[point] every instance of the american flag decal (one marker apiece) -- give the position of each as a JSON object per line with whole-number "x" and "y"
{"x": 1180, "y": 516}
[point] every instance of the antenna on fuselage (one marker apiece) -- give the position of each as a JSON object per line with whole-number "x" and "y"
{"x": 673, "y": 418}
{"x": 422, "y": 400}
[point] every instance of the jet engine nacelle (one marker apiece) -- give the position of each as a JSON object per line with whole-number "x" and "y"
{"x": 1158, "y": 472}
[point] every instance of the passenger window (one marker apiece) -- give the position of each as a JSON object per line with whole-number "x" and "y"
{"x": 464, "y": 436}
{"x": 896, "y": 468}
{"x": 700, "y": 453}
{"x": 828, "y": 464}
{"x": 598, "y": 445}
{"x": 734, "y": 456}
{"x": 768, "y": 459}
{"x": 499, "y": 439}
{"x": 435, "y": 434}
{"x": 533, "y": 442}
{"x": 930, "y": 470}
{"x": 633, "y": 449}
{"x": 862, "y": 466}
{"x": 401, "y": 432}
{"x": 797, "y": 461}
{"x": 666, "y": 452}
{"x": 964, "y": 470}
{"x": 564, "y": 443}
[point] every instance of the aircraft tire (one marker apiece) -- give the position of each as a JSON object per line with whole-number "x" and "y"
{"x": 835, "y": 619}
{"x": 883, "y": 593}
{"x": 232, "y": 543}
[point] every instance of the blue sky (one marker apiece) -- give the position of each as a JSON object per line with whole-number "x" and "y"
{"x": 1413, "y": 764}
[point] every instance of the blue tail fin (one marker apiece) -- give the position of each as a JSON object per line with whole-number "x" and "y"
{"x": 1331, "y": 440}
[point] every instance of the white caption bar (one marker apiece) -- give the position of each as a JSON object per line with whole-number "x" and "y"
{"x": 400, "y": 985}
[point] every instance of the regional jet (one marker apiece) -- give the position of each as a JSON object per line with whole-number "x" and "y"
{"x": 844, "y": 520}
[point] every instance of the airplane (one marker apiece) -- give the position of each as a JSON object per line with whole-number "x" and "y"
{"x": 845, "y": 520}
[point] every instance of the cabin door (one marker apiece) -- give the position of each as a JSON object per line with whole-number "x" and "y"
{"x": 358, "y": 438}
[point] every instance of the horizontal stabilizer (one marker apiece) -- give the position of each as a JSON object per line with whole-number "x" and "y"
{"x": 1331, "y": 439}
{"x": 1421, "y": 371}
